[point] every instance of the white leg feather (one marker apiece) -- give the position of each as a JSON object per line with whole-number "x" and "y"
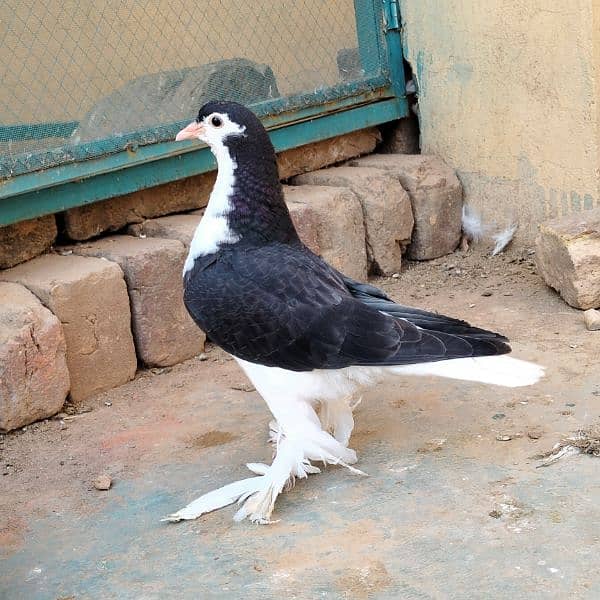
{"x": 216, "y": 499}
{"x": 337, "y": 418}
{"x": 300, "y": 440}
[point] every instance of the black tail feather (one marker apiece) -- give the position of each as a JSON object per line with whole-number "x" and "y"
{"x": 492, "y": 343}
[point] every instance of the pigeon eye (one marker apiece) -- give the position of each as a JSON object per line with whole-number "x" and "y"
{"x": 216, "y": 121}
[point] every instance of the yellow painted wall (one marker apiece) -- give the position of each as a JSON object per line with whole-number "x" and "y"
{"x": 509, "y": 96}
{"x": 59, "y": 57}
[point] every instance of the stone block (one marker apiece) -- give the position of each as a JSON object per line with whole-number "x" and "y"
{"x": 173, "y": 227}
{"x": 436, "y": 197}
{"x": 386, "y": 209}
{"x": 591, "y": 318}
{"x": 317, "y": 155}
{"x": 90, "y": 220}
{"x": 567, "y": 256}
{"x": 340, "y": 229}
{"x": 34, "y": 379}
{"x": 89, "y": 297}
{"x": 164, "y": 332}
{"x": 171, "y": 96}
{"x": 400, "y": 137}
{"x": 306, "y": 222}
{"x": 21, "y": 241}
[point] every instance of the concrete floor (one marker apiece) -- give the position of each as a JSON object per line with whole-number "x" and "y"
{"x": 418, "y": 527}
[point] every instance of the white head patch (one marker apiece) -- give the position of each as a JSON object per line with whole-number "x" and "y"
{"x": 216, "y": 127}
{"x": 213, "y": 230}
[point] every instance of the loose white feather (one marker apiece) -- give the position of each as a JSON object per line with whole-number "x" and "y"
{"x": 504, "y": 238}
{"x": 472, "y": 225}
{"x": 474, "y": 230}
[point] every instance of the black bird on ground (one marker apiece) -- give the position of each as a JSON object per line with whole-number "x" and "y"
{"x": 308, "y": 337}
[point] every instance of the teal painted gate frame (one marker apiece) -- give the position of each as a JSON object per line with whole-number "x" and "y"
{"x": 291, "y": 121}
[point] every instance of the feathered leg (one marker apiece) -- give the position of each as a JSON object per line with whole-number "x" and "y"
{"x": 337, "y": 418}
{"x": 299, "y": 440}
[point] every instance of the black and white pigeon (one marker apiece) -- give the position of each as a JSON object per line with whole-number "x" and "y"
{"x": 308, "y": 337}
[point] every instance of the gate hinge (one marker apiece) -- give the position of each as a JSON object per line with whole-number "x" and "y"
{"x": 392, "y": 15}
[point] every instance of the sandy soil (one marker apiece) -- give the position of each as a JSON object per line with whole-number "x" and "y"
{"x": 172, "y": 431}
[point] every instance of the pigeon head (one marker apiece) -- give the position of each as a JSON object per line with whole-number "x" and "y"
{"x": 228, "y": 124}
{"x": 247, "y": 199}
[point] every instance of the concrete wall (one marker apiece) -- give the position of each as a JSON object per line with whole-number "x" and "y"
{"x": 509, "y": 96}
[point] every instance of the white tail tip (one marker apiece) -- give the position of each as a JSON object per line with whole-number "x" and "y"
{"x": 502, "y": 370}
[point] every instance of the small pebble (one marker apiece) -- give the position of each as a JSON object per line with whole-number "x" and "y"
{"x": 160, "y": 370}
{"x": 471, "y": 306}
{"x": 496, "y": 514}
{"x": 395, "y": 275}
{"x": 243, "y": 387}
{"x": 504, "y": 438}
{"x": 202, "y": 357}
{"x": 434, "y": 445}
{"x": 534, "y": 433}
{"x": 591, "y": 318}
{"x": 498, "y": 416}
{"x": 570, "y": 404}
{"x": 107, "y": 403}
{"x": 103, "y": 482}
{"x": 487, "y": 294}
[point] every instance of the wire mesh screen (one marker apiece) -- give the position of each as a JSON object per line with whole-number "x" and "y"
{"x": 83, "y": 79}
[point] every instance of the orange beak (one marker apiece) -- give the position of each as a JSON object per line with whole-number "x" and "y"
{"x": 191, "y": 132}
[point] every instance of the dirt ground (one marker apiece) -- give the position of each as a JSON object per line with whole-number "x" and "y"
{"x": 454, "y": 506}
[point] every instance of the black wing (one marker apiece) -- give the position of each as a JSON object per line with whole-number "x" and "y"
{"x": 282, "y": 306}
{"x": 377, "y": 299}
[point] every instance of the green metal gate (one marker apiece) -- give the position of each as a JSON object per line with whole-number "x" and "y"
{"x": 93, "y": 93}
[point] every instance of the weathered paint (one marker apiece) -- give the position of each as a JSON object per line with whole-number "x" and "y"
{"x": 508, "y": 95}
{"x": 274, "y": 113}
